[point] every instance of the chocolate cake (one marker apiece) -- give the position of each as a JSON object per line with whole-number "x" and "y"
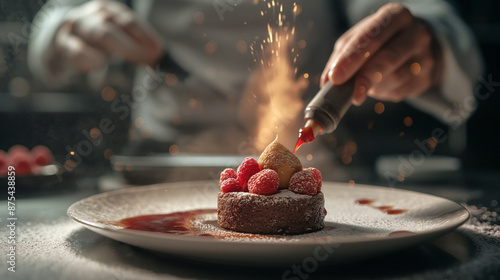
{"x": 282, "y": 213}
{"x": 275, "y": 195}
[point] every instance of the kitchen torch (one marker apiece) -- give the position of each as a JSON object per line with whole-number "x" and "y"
{"x": 325, "y": 111}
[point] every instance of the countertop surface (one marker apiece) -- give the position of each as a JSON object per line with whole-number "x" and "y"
{"x": 49, "y": 245}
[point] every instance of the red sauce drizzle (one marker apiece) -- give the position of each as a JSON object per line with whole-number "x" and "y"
{"x": 174, "y": 223}
{"x": 388, "y": 209}
{"x": 179, "y": 223}
{"x": 306, "y": 135}
{"x": 396, "y": 211}
{"x": 364, "y": 201}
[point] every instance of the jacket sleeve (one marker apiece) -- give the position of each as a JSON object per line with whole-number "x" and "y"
{"x": 43, "y": 29}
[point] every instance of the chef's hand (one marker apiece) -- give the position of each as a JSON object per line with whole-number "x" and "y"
{"x": 393, "y": 55}
{"x": 98, "y": 29}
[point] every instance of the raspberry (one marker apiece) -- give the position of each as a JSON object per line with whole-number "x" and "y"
{"x": 41, "y": 155}
{"x": 230, "y": 185}
{"x": 265, "y": 182}
{"x": 18, "y": 149}
{"x": 21, "y": 162}
{"x": 247, "y": 169}
{"x": 226, "y": 174}
{"x": 317, "y": 176}
{"x": 303, "y": 182}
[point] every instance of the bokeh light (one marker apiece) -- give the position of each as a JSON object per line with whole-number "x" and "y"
{"x": 69, "y": 165}
{"x": 95, "y": 132}
{"x": 408, "y": 121}
{"x": 138, "y": 122}
{"x": 210, "y": 47}
{"x": 346, "y": 159}
{"x": 193, "y": 103}
{"x": 241, "y": 46}
{"x": 297, "y": 9}
{"x": 146, "y": 132}
{"x": 369, "y": 124}
{"x": 432, "y": 142}
{"x": 173, "y": 149}
{"x": 415, "y": 68}
{"x": 401, "y": 177}
{"x": 351, "y": 147}
{"x": 108, "y": 94}
{"x": 171, "y": 79}
{"x": 199, "y": 17}
{"x": 108, "y": 153}
{"x": 301, "y": 44}
{"x": 379, "y": 108}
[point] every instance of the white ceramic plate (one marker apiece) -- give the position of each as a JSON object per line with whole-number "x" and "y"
{"x": 352, "y": 231}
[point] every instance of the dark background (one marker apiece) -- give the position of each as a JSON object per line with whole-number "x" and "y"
{"x": 31, "y": 114}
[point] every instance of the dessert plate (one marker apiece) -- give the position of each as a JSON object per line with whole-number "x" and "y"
{"x": 363, "y": 221}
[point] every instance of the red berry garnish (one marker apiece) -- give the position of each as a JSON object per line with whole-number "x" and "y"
{"x": 265, "y": 182}
{"x": 230, "y": 185}
{"x": 226, "y": 174}
{"x": 18, "y": 149}
{"x": 303, "y": 182}
{"x": 247, "y": 169}
{"x": 41, "y": 155}
{"x": 3, "y": 163}
{"x": 21, "y": 162}
{"x": 317, "y": 176}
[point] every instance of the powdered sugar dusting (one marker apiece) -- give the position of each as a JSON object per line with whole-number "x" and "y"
{"x": 226, "y": 174}
{"x": 50, "y": 251}
{"x": 280, "y": 154}
{"x": 304, "y": 182}
{"x": 63, "y": 249}
{"x": 271, "y": 199}
{"x": 483, "y": 230}
{"x": 265, "y": 182}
